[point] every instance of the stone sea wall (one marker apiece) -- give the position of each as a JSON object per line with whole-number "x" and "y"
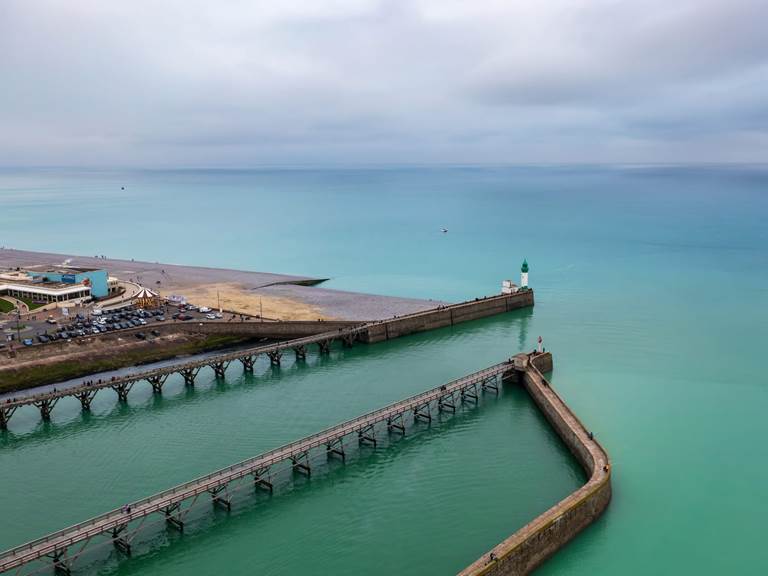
{"x": 449, "y": 315}
{"x": 527, "y": 548}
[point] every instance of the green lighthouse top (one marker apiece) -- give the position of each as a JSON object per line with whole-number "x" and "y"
{"x": 525, "y": 266}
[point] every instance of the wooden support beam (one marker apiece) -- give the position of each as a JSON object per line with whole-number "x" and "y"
{"x": 45, "y": 407}
{"x": 219, "y": 500}
{"x": 5, "y": 416}
{"x": 299, "y": 466}
{"x": 422, "y": 412}
{"x": 157, "y": 383}
{"x": 325, "y": 346}
{"x": 446, "y": 402}
{"x": 60, "y": 564}
{"x": 247, "y": 362}
{"x": 301, "y": 352}
{"x": 122, "y": 390}
{"x": 336, "y": 448}
{"x": 469, "y": 394}
{"x": 85, "y": 397}
{"x": 274, "y": 357}
{"x": 189, "y": 375}
{"x": 491, "y": 384}
{"x": 121, "y": 543}
{"x": 219, "y": 368}
{"x": 396, "y": 423}
{"x": 171, "y": 520}
{"x": 259, "y": 480}
{"x": 367, "y": 434}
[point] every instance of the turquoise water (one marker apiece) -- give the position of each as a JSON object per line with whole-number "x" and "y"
{"x": 652, "y": 291}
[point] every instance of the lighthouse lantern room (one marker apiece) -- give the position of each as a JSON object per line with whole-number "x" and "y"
{"x": 524, "y": 274}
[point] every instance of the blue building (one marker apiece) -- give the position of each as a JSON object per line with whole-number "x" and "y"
{"x": 97, "y": 280}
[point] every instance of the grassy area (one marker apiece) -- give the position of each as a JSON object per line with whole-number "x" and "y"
{"x": 29, "y": 377}
{"x": 31, "y": 305}
{"x": 6, "y": 306}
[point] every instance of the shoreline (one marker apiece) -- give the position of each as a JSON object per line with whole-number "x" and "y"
{"x": 279, "y": 296}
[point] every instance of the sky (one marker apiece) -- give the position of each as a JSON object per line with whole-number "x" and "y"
{"x": 190, "y": 83}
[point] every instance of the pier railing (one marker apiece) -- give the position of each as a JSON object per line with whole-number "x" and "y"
{"x": 55, "y": 544}
{"x": 46, "y": 401}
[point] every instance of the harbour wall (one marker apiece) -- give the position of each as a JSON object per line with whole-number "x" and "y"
{"x": 527, "y": 548}
{"x": 380, "y": 331}
{"x": 283, "y": 330}
{"x": 449, "y": 315}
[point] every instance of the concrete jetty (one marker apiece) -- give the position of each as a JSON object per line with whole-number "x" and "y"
{"x": 321, "y": 334}
{"x": 527, "y": 548}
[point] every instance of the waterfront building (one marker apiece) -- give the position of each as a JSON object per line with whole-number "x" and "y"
{"x": 64, "y": 284}
{"x": 508, "y": 287}
{"x": 97, "y": 280}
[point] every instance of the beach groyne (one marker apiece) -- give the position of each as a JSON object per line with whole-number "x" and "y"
{"x": 449, "y": 315}
{"x": 527, "y": 548}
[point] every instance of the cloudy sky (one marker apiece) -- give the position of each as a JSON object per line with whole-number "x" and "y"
{"x": 350, "y": 82}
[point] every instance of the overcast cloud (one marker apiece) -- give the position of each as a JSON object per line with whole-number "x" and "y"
{"x": 342, "y": 82}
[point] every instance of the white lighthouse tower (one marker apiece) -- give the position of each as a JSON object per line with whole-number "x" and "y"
{"x": 524, "y": 274}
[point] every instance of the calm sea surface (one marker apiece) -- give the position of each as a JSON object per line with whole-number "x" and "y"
{"x": 652, "y": 291}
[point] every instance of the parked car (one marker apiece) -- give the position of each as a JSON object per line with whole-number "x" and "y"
{"x": 204, "y": 309}
{"x": 43, "y": 338}
{"x": 160, "y": 318}
{"x": 27, "y": 342}
{"x": 141, "y": 336}
{"x": 210, "y": 316}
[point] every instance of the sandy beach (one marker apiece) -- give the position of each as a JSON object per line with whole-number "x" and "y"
{"x": 280, "y": 296}
{"x": 239, "y": 298}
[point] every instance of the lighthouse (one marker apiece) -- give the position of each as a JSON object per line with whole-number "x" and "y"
{"x": 524, "y": 274}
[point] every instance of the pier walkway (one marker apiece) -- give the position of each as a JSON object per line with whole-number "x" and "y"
{"x": 61, "y": 549}
{"x": 368, "y": 332}
{"x": 122, "y": 385}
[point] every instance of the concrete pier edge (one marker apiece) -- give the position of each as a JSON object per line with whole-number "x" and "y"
{"x": 532, "y": 544}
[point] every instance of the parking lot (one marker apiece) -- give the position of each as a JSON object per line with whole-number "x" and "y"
{"x": 88, "y": 322}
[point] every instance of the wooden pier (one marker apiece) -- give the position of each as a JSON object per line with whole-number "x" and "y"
{"x": 60, "y": 550}
{"x": 368, "y": 332}
{"x": 46, "y": 401}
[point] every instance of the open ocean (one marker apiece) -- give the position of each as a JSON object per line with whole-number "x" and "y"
{"x": 651, "y": 291}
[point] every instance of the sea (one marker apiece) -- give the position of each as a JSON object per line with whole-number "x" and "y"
{"x": 651, "y": 288}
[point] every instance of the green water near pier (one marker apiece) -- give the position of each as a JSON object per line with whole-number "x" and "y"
{"x": 651, "y": 288}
